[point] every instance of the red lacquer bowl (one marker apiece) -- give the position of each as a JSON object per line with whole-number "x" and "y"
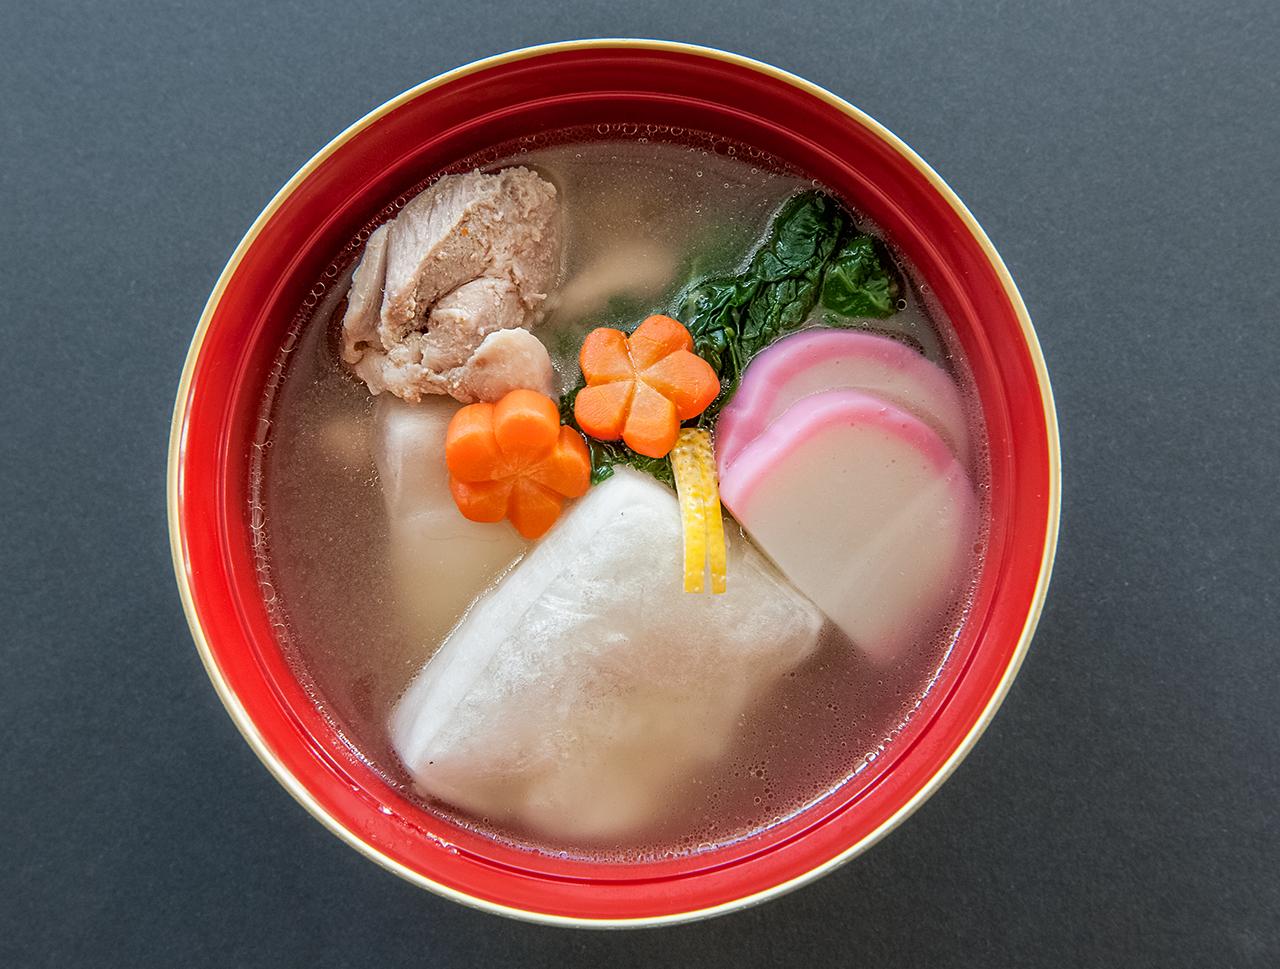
{"x": 234, "y": 357}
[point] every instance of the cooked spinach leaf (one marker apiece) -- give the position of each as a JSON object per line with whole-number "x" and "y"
{"x": 733, "y": 318}
{"x": 857, "y": 283}
{"x": 812, "y": 254}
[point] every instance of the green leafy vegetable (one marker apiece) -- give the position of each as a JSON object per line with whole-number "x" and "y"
{"x": 812, "y": 253}
{"x": 809, "y": 254}
{"x": 857, "y": 284}
{"x": 731, "y": 319}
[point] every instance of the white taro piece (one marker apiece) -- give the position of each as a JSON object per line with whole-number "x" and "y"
{"x": 577, "y": 694}
{"x": 438, "y": 558}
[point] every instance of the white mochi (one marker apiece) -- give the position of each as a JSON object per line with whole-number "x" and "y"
{"x": 577, "y": 694}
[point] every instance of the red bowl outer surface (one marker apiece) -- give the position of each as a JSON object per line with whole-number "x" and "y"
{"x": 236, "y": 354}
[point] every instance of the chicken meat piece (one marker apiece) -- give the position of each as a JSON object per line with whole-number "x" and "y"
{"x": 364, "y": 298}
{"x": 472, "y": 255}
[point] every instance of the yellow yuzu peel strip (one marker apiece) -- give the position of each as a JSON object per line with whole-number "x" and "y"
{"x": 695, "y": 472}
{"x": 715, "y": 521}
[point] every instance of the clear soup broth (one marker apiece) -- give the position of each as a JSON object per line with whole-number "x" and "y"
{"x": 641, "y": 217}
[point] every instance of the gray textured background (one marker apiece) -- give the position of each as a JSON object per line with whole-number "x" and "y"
{"x": 1121, "y": 809}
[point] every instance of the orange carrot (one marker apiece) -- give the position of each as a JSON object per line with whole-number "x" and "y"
{"x": 639, "y": 388}
{"x": 601, "y": 410}
{"x": 513, "y": 459}
{"x": 652, "y": 422}
{"x": 686, "y": 380}
{"x": 655, "y": 338}
{"x": 606, "y": 354}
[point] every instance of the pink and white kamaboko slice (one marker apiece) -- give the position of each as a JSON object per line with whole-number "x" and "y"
{"x": 816, "y": 361}
{"x": 865, "y": 509}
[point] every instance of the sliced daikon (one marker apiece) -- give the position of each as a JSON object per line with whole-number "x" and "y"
{"x": 865, "y": 509}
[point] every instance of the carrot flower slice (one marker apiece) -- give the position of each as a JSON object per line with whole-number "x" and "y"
{"x": 640, "y": 387}
{"x": 514, "y": 460}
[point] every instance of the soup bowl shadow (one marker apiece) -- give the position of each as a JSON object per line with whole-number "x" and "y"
{"x": 625, "y": 89}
